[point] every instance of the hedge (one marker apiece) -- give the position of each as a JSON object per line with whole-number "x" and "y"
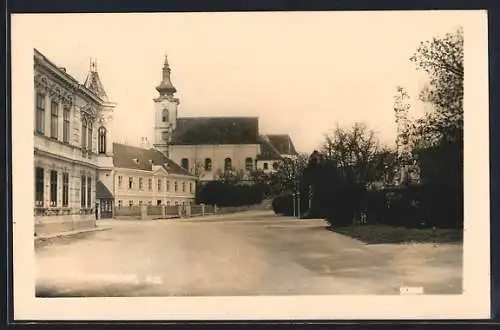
{"x": 228, "y": 194}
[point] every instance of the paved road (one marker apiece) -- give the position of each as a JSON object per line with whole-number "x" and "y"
{"x": 251, "y": 253}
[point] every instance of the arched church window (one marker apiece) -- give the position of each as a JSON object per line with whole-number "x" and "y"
{"x": 164, "y": 115}
{"x": 228, "y": 164}
{"x": 185, "y": 163}
{"x": 249, "y": 164}
{"x": 208, "y": 164}
{"x": 102, "y": 140}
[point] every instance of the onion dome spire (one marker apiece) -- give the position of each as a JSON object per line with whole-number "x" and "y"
{"x": 166, "y": 87}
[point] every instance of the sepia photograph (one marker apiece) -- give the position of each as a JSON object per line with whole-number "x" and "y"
{"x": 273, "y": 159}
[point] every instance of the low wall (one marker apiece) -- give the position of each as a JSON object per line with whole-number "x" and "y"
{"x": 53, "y": 224}
{"x": 150, "y": 212}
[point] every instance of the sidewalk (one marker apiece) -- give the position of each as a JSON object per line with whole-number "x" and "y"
{"x": 70, "y": 233}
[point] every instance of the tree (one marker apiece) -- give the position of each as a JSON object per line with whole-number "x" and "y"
{"x": 355, "y": 151}
{"x": 290, "y": 170}
{"x": 442, "y": 59}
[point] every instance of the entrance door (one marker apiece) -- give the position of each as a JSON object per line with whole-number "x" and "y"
{"x": 106, "y": 208}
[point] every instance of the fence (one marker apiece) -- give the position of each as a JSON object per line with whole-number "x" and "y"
{"x": 150, "y": 212}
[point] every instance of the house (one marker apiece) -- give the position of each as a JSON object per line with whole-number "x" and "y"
{"x": 148, "y": 177}
{"x": 72, "y": 146}
{"x": 274, "y": 148}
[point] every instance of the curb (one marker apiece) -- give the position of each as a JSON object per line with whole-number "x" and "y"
{"x": 70, "y": 233}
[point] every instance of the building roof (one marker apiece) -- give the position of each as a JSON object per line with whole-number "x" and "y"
{"x": 102, "y": 192}
{"x": 267, "y": 150}
{"x": 126, "y": 156}
{"x": 274, "y": 146}
{"x": 283, "y": 143}
{"x": 94, "y": 84}
{"x": 216, "y": 130}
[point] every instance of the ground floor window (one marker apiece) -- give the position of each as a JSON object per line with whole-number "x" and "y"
{"x": 89, "y": 192}
{"x": 39, "y": 186}
{"x": 65, "y": 192}
{"x": 83, "y": 194}
{"x": 120, "y": 203}
{"x": 150, "y": 203}
{"x": 158, "y": 202}
{"x": 140, "y": 202}
{"x": 53, "y": 188}
{"x": 130, "y": 203}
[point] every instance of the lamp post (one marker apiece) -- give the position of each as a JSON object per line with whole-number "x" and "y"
{"x": 294, "y": 195}
{"x": 298, "y": 197}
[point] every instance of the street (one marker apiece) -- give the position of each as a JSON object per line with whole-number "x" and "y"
{"x": 248, "y": 253}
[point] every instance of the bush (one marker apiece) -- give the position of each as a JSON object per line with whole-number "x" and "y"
{"x": 228, "y": 194}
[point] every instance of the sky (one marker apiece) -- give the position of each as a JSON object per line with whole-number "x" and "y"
{"x": 301, "y": 73}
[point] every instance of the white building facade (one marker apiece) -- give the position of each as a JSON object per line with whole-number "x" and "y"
{"x": 72, "y": 147}
{"x": 147, "y": 177}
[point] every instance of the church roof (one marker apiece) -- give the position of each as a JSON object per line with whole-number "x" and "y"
{"x": 101, "y": 191}
{"x": 216, "y": 130}
{"x": 126, "y": 156}
{"x": 93, "y": 83}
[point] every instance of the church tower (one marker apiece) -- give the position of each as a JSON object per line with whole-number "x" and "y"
{"x": 165, "y": 111}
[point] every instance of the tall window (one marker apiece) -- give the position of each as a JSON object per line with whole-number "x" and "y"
{"x": 66, "y": 114}
{"x": 84, "y": 133}
{"x": 183, "y": 186}
{"x": 102, "y": 140}
{"x": 130, "y": 182}
{"x": 120, "y": 204}
{"x": 89, "y": 192}
{"x": 190, "y": 187}
{"x": 89, "y": 136}
{"x": 266, "y": 166}
{"x": 130, "y": 203}
{"x": 159, "y": 184}
{"x": 185, "y": 163}
{"x": 208, "y": 164}
{"x": 83, "y": 192}
{"x": 140, "y": 184}
{"x": 39, "y": 186}
{"x": 275, "y": 165}
{"x": 164, "y": 136}
{"x": 150, "y": 184}
{"x": 53, "y": 188}
{"x": 40, "y": 113}
{"x": 120, "y": 181}
{"x": 228, "y": 164}
{"x": 65, "y": 192}
{"x": 176, "y": 186}
{"x": 249, "y": 164}
{"x": 168, "y": 185}
{"x": 54, "y": 119}
{"x": 164, "y": 115}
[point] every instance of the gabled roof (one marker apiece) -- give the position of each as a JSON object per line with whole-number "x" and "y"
{"x": 267, "y": 150}
{"x": 216, "y": 130}
{"x": 131, "y": 157}
{"x": 94, "y": 84}
{"x": 101, "y": 191}
{"x": 283, "y": 143}
{"x": 275, "y": 146}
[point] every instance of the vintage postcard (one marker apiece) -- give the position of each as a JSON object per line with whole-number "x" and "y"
{"x": 251, "y": 166}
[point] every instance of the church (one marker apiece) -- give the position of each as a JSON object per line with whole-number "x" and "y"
{"x": 211, "y": 147}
